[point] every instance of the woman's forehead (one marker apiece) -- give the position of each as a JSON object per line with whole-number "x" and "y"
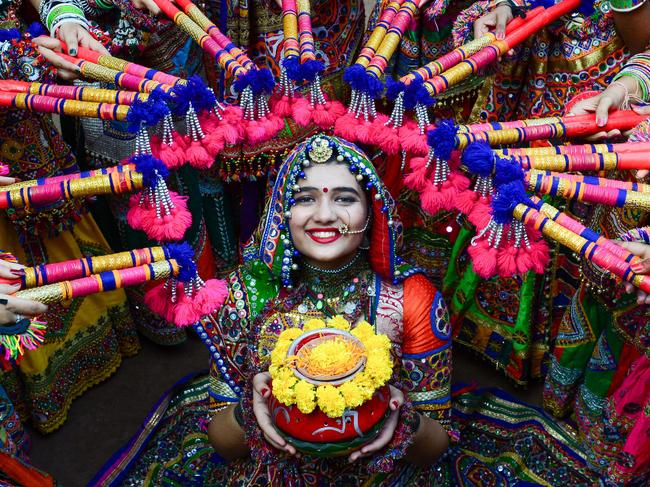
{"x": 329, "y": 175}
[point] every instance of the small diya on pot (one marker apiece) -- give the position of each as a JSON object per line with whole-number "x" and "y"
{"x": 329, "y": 390}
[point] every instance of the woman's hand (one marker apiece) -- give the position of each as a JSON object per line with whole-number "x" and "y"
{"x": 261, "y": 394}
{"x": 386, "y": 433}
{"x": 495, "y": 20}
{"x": 12, "y": 308}
{"x": 643, "y": 251}
{"x": 150, "y": 5}
{"x": 613, "y": 98}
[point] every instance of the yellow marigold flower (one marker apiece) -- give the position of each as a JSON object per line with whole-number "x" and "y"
{"x": 290, "y": 334}
{"x": 305, "y": 397}
{"x": 330, "y": 401}
{"x": 378, "y": 342}
{"x": 279, "y": 353}
{"x": 284, "y": 391}
{"x": 339, "y": 323}
{"x": 313, "y": 324}
{"x": 353, "y": 394}
{"x": 378, "y": 368}
{"x": 363, "y": 330}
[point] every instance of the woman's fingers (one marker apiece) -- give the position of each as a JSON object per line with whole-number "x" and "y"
{"x": 384, "y": 437}
{"x": 69, "y": 33}
{"x": 65, "y": 68}
{"x": 25, "y": 307}
{"x": 641, "y": 110}
{"x": 48, "y": 42}
{"x": 482, "y": 26}
{"x": 637, "y": 248}
{"x": 11, "y": 270}
{"x": 502, "y": 18}
{"x": 5, "y": 181}
{"x": 642, "y": 173}
{"x": 602, "y": 110}
{"x": 9, "y": 288}
{"x": 89, "y": 42}
{"x": 150, "y": 5}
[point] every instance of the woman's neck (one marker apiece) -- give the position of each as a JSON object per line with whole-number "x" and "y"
{"x": 321, "y": 279}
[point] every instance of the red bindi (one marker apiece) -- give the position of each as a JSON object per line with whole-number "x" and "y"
{"x": 325, "y": 190}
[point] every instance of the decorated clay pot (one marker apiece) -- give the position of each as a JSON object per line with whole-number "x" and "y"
{"x": 318, "y": 434}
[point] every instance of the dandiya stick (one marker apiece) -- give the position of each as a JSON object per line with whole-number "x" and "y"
{"x": 581, "y": 245}
{"x": 489, "y": 54}
{"x": 102, "y": 282}
{"x": 44, "y": 274}
{"x": 305, "y": 35}
{"x": 594, "y": 180}
{"x": 213, "y": 31}
{"x": 391, "y": 40}
{"x": 121, "y": 79}
{"x": 73, "y": 108}
{"x": 568, "y": 127}
{"x": 588, "y": 193}
{"x": 126, "y": 66}
{"x": 207, "y": 43}
{"x": 82, "y": 93}
{"x": 290, "y": 45}
{"x": 34, "y": 196}
{"x": 624, "y": 148}
{"x": 461, "y": 53}
{"x": 376, "y": 37}
{"x": 67, "y": 177}
{"x": 586, "y": 161}
{"x": 578, "y": 228}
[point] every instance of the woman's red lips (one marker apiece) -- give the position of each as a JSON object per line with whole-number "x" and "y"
{"x": 324, "y": 235}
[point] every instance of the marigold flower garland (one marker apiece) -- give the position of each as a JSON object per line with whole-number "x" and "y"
{"x": 332, "y": 400}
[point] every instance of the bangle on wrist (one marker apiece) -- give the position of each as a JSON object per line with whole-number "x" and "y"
{"x": 238, "y": 414}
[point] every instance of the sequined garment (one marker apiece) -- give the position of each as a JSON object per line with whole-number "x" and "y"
{"x": 87, "y": 337}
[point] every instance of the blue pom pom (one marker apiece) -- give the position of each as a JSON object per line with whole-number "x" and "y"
{"x": 310, "y": 68}
{"x": 9, "y": 34}
{"x": 150, "y": 112}
{"x": 507, "y": 198}
{"x": 478, "y": 157}
{"x": 415, "y": 94}
{"x": 195, "y": 92}
{"x": 374, "y": 86}
{"x": 507, "y": 170}
{"x": 36, "y": 29}
{"x": 292, "y": 66}
{"x": 149, "y": 165}
{"x": 184, "y": 255}
{"x": 443, "y": 139}
{"x": 394, "y": 88}
{"x": 260, "y": 81}
{"x": 355, "y": 76}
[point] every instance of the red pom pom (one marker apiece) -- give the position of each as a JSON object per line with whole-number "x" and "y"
{"x": 302, "y": 112}
{"x": 386, "y": 137}
{"x": 281, "y": 105}
{"x": 465, "y": 201}
{"x": 417, "y": 179}
{"x": 412, "y": 140}
{"x": 507, "y": 260}
{"x": 168, "y": 227}
{"x": 484, "y": 258}
{"x": 198, "y": 156}
{"x": 158, "y": 299}
{"x": 481, "y": 213}
{"x": 136, "y": 214}
{"x": 347, "y": 127}
{"x": 433, "y": 199}
{"x": 539, "y": 255}
{"x": 211, "y": 296}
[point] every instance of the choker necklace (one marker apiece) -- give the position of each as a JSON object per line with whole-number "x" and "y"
{"x": 343, "y": 268}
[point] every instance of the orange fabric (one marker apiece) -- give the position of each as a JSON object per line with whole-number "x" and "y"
{"x": 22, "y": 474}
{"x": 419, "y": 294}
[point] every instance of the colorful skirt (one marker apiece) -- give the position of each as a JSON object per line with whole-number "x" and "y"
{"x": 502, "y": 443}
{"x": 86, "y": 338}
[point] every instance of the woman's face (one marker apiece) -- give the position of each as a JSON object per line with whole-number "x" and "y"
{"x": 329, "y": 198}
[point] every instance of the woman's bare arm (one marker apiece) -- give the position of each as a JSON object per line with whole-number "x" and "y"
{"x": 226, "y": 436}
{"x": 431, "y": 441}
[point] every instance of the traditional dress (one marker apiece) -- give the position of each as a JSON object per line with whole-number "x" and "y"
{"x": 398, "y": 301}
{"x": 87, "y": 337}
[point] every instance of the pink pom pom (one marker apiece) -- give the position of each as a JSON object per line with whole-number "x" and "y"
{"x": 459, "y": 181}
{"x": 198, "y": 156}
{"x": 386, "y": 137}
{"x": 433, "y": 199}
{"x": 302, "y": 112}
{"x": 136, "y": 215}
{"x": 481, "y": 213}
{"x": 158, "y": 299}
{"x": 484, "y": 258}
{"x": 255, "y": 131}
{"x": 233, "y": 113}
{"x": 412, "y": 140}
{"x": 281, "y": 105}
{"x": 465, "y": 201}
{"x": 507, "y": 260}
{"x": 524, "y": 260}
{"x": 325, "y": 116}
{"x": 539, "y": 255}
{"x": 185, "y": 310}
{"x": 214, "y": 142}
{"x": 211, "y": 296}
{"x": 347, "y": 127}
{"x": 168, "y": 227}
{"x": 417, "y": 178}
